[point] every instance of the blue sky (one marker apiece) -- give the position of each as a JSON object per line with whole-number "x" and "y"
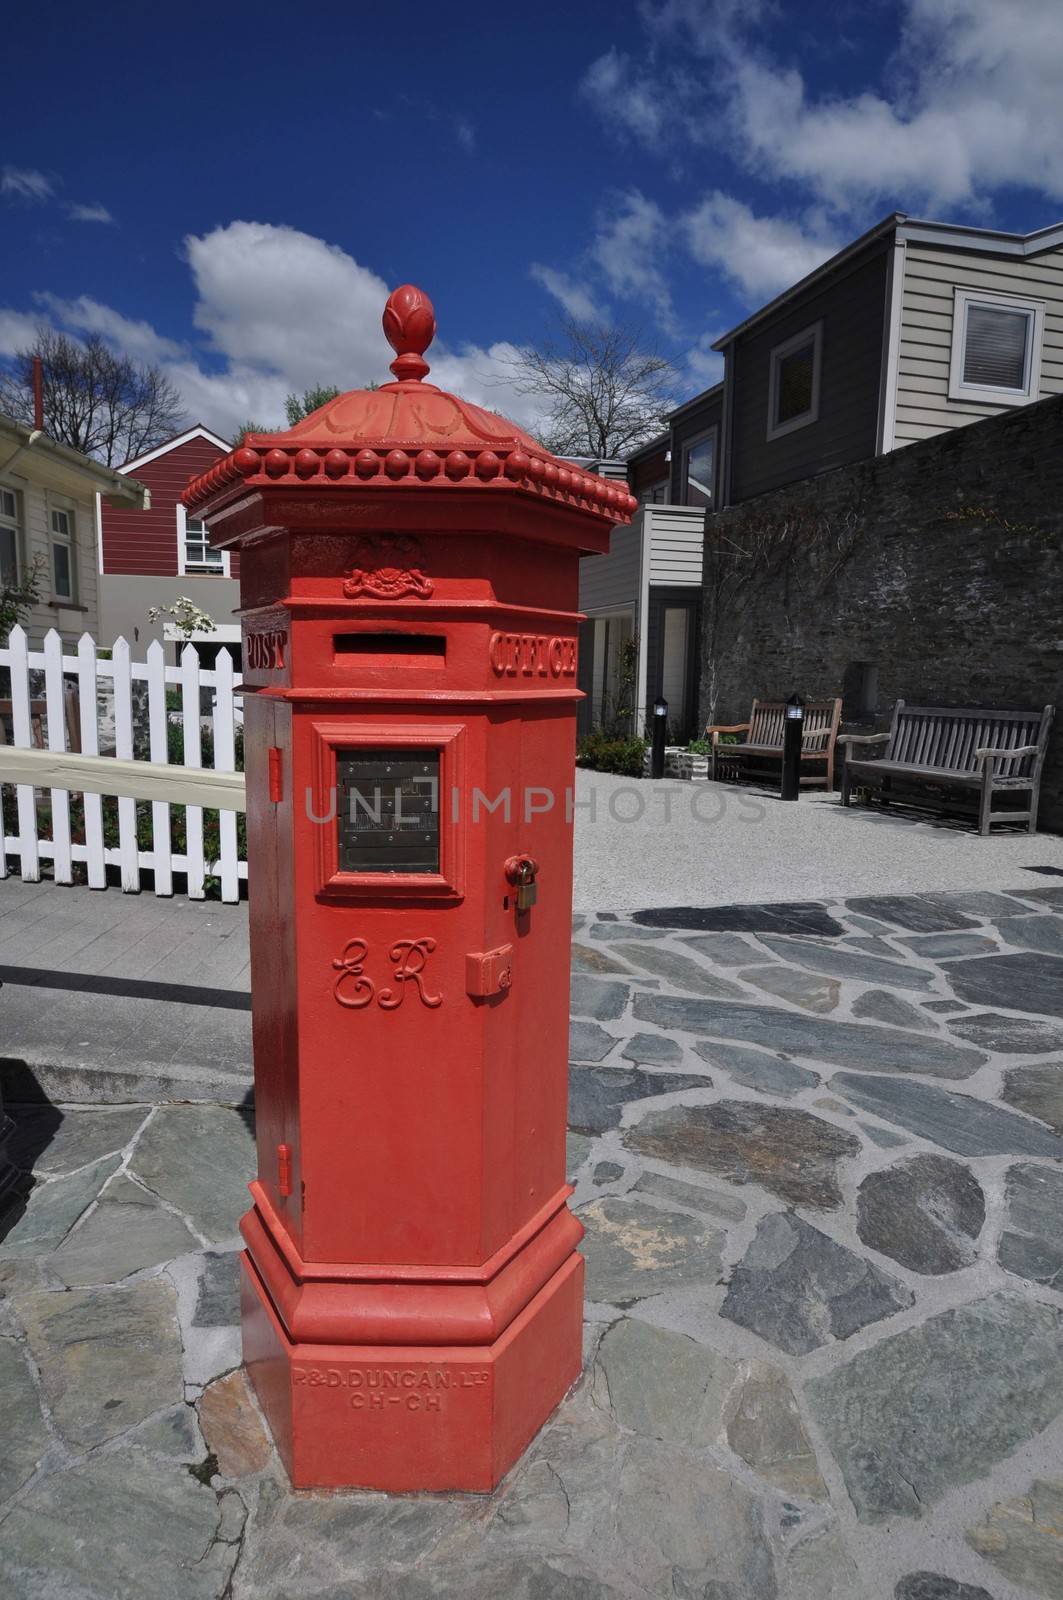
{"x": 232, "y": 192}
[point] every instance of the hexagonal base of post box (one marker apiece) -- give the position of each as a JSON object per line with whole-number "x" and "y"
{"x": 403, "y": 1417}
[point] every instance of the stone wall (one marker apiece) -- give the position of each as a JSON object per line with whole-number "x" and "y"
{"x": 933, "y": 574}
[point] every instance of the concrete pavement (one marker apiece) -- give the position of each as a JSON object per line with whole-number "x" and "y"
{"x": 116, "y": 997}
{"x": 113, "y": 997}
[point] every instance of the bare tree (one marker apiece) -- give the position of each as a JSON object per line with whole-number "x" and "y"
{"x": 604, "y": 392}
{"x": 99, "y": 402}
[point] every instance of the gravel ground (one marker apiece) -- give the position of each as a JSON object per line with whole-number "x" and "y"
{"x": 643, "y": 843}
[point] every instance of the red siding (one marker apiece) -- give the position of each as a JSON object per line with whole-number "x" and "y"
{"x": 653, "y": 470}
{"x": 145, "y": 542}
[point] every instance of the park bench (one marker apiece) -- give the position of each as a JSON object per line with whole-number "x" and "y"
{"x": 763, "y": 742}
{"x": 959, "y": 755}
{"x": 38, "y": 714}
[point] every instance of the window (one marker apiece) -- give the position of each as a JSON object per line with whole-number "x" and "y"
{"x": 63, "y": 562}
{"x": 10, "y": 527}
{"x": 676, "y": 629}
{"x": 612, "y": 692}
{"x": 654, "y": 494}
{"x": 199, "y": 556}
{"x": 996, "y": 348}
{"x": 793, "y": 382}
{"x": 699, "y": 470}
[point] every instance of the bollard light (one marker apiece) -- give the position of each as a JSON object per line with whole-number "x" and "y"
{"x": 659, "y": 732}
{"x": 793, "y": 727}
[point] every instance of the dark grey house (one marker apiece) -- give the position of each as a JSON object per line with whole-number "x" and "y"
{"x": 913, "y": 329}
{"x": 648, "y": 588}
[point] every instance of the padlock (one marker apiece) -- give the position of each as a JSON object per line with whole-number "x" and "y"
{"x": 522, "y": 872}
{"x": 527, "y": 888}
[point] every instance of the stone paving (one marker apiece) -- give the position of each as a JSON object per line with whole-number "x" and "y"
{"x": 818, "y": 1151}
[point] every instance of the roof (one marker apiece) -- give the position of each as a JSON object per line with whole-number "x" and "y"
{"x": 406, "y": 436}
{"x": 57, "y": 466}
{"x": 663, "y": 440}
{"x": 952, "y": 235}
{"x": 992, "y": 240}
{"x": 698, "y": 400}
{"x": 198, "y": 430}
{"x": 651, "y": 447}
{"x": 879, "y": 231}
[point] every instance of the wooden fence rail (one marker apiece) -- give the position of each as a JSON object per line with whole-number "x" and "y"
{"x": 81, "y": 728}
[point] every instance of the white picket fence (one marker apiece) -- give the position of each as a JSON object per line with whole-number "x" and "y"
{"x": 79, "y": 692}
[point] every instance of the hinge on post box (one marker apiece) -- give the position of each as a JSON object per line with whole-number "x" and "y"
{"x": 276, "y": 775}
{"x": 284, "y": 1170}
{"x": 489, "y": 972}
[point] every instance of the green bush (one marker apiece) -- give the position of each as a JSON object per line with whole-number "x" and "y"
{"x": 603, "y": 754}
{"x": 702, "y": 747}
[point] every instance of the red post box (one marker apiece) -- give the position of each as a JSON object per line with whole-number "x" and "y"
{"x": 412, "y": 1295}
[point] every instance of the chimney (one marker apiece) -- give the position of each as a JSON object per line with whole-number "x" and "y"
{"x": 38, "y": 394}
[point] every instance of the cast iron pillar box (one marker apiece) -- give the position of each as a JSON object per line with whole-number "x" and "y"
{"x": 412, "y": 1292}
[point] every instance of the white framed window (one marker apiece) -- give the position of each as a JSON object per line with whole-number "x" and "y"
{"x": 10, "y": 536}
{"x": 793, "y": 382}
{"x": 200, "y": 555}
{"x": 996, "y": 348}
{"x": 699, "y": 470}
{"x": 195, "y": 554}
{"x": 63, "y": 553}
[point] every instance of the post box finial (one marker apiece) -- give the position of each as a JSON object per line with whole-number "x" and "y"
{"x": 409, "y": 327}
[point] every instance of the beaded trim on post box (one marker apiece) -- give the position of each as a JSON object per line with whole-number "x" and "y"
{"x": 410, "y": 434}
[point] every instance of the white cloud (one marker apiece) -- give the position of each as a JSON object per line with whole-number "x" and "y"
{"x": 85, "y": 315}
{"x": 760, "y": 255}
{"x": 967, "y": 106}
{"x": 93, "y": 213}
{"x": 282, "y": 310}
{"x": 287, "y": 310}
{"x": 980, "y": 112}
{"x": 628, "y": 249}
{"x": 18, "y": 329}
{"x": 25, "y": 183}
{"x": 573, "y": 296}
{"x": 276, "y": 299}
{"x": 625, "y": 97}
{"x": 703, "y": 367}
{"x": 465, "y": 133}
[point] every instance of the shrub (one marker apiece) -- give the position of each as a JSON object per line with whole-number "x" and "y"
{"x": 702, "y": 747}
{"x": 603, "y": 754}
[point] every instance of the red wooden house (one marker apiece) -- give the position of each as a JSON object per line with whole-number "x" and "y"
{"x": 153, "y": 558}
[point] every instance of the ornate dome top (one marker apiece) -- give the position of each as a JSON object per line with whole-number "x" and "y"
{"x": 409, "y": 434}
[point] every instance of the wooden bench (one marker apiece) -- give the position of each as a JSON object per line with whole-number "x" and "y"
{"x": 968, "y": 755}
{"x": 763, "y": 741}
{"x": 39, "y": 717}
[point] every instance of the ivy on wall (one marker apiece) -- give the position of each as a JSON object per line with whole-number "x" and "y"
{"x": 790, "y": 554}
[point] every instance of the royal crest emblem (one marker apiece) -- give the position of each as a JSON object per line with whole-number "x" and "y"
{"x": 387, "y": 569}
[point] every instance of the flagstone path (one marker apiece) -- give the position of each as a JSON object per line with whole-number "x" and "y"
{"x": 818, "y": 1152}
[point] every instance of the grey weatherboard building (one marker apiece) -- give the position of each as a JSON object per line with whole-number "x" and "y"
{"x": 914, "y": 329}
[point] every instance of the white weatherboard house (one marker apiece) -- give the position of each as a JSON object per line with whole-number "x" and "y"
{"x": 914, "y": 328}
{"x": 48, "y": 519}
